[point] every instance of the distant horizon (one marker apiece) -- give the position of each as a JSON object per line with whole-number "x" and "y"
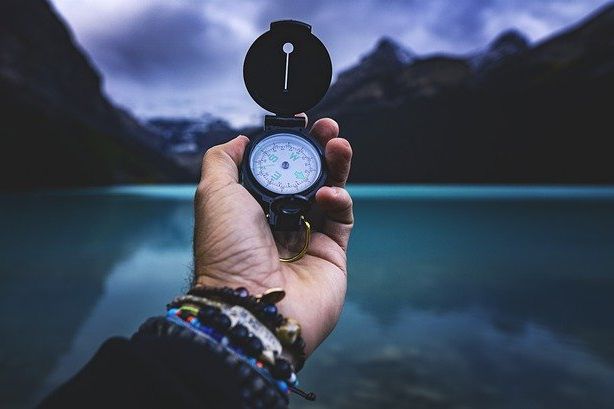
{"x": 170, "y": 82}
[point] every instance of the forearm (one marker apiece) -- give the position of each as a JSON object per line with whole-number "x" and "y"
{"x": 216, "y": 347}
{"x": 165, "y": 365}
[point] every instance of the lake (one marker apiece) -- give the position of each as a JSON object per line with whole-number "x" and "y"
{"x": 459, "y": 297}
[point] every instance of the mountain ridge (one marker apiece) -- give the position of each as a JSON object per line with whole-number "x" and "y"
{"x": 538, "y": 115}
{"x": 514, "y": 112}
{"x": 58, "y": 127}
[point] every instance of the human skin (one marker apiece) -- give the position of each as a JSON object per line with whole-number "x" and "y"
{"x": 234, "y": 246}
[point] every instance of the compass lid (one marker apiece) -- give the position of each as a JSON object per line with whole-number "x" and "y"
{"x": 287, "y": 70}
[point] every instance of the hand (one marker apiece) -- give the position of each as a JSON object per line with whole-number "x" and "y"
{"x": 234, "y": 246}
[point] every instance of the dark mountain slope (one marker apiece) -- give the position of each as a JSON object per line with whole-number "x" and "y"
{"x": 56, "y": 127}
{"x": 515, "y": 113}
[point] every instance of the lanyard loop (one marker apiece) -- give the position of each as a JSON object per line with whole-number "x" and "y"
{"x": 303, "y": 250}
{"x": 285, "y": 212}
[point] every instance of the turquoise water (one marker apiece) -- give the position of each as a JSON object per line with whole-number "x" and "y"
{"x": 459, "y": 297}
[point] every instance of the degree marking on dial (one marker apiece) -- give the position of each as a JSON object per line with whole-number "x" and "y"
{"x": 293, "y": 168}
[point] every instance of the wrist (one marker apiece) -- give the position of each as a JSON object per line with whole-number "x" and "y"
{"x": 213, "y": 279}
{"x": 289, "y": 307}
{"x": 251, "y": 326}
{"x": 265, "y": 309}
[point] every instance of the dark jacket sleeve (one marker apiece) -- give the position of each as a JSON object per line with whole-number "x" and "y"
{"x": 165, "y": 366}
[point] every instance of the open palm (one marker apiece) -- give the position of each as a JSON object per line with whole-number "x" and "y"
{"x": 234, "y": 246}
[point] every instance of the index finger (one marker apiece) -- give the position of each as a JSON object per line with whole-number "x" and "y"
{"x": 324, "y": 130}
{"x": 337, "y": 151}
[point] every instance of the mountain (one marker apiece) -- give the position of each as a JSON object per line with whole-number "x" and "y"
{"x": 190, "y": 135}
{"x": 186, "y": 139}
{"x": 507, "y": 45}
{"x": 387, "y": 58}
{"x": 515, "y": 113}
{"x": 57, "y": 127}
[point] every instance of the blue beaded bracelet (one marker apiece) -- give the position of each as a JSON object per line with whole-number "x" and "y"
{"x": 206, "y": 317}
{"x": 194, "y": 324}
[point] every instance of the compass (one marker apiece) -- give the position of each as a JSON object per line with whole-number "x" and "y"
{"x": 285, "y": 163}
{"x": 287, "y": 71}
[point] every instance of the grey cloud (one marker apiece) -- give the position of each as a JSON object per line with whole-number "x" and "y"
{"x": 462, "y": 22}
{"x": 170, "y": 51}
{"x": 160, "y": 43}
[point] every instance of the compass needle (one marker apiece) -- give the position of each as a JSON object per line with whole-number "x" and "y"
{"x": 288, "y": 48}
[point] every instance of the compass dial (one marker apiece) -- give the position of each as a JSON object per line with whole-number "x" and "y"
{"x": 285, "y": 163}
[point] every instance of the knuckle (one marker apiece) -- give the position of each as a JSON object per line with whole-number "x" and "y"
{"x": 337, "y": 181}
{"x": 201, "y": 189}
{"x": 213, "y": 154}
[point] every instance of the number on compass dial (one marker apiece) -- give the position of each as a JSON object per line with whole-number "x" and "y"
{"x": 285, "y": 163}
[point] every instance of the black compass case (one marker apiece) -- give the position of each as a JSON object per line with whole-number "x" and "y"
{"x": 285, "y": 91}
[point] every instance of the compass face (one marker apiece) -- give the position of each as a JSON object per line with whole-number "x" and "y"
{"x": 285, "y": 163}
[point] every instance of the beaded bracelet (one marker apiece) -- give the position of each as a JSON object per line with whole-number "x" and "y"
{"x": 239, "y": 341}
{"x": 225, "y": 324}
{"x": 263, "y": 307}
{"x": 236, "y": 314}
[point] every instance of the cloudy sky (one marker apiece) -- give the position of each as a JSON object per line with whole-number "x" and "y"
{"x": 184, "y": 57}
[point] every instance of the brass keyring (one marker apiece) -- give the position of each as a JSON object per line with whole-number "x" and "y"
{"x": 303, "y": 251}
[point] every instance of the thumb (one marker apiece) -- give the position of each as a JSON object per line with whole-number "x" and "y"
{"x": 221, "y": 162}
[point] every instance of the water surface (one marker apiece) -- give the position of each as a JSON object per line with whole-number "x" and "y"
{"x": 459, "y": 297}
